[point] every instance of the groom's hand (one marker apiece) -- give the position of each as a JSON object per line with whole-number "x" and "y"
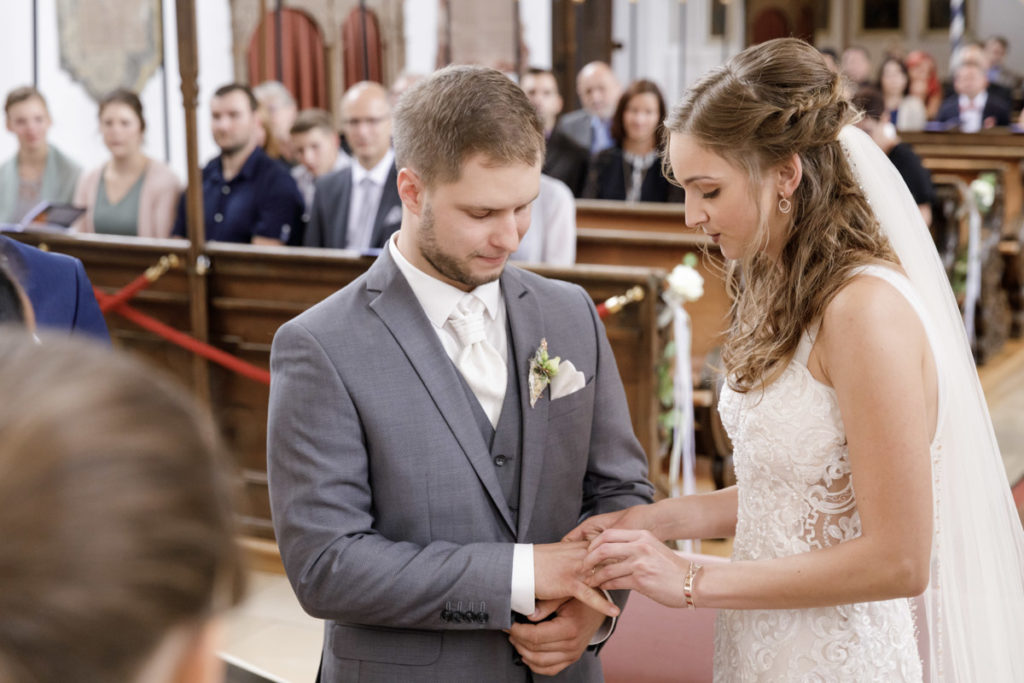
{"x": 558, "y": 573}
{"x": 550, "y": 646}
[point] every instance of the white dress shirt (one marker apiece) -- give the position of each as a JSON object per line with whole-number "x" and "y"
{"x": 359, "y": 234}
{"x": 971, "y": 111}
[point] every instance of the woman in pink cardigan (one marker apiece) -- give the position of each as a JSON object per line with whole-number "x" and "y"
{"x": 131, "y": 194}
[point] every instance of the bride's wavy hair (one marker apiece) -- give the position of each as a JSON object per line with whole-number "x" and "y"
{"x": 767, "y": 103}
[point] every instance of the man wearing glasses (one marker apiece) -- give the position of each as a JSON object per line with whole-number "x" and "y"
{"x": 358, "y": 207}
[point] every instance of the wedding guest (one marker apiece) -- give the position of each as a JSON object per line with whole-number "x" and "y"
{"x": 247, "y": 196}
{"x": 999, "y": 74}
{"x": 132, "y": 194}
{"x": 924, "y": 81}
{"x": 589, "y": 127}
{"x": 119, "y": 555}
{"x": 903, "y": 110}
{"x": 551, "y": 238}
{"x": 15, "y": 307}
{"x": 902, "y": 155}
{"x": 317, "y": 147}
{"x": 39, "y": 171}
{"x": 972, "y": 107}
{"x": 278, "y": 114}
{"x": 631, "y": 168}
{"x": 541, "y": 89}
{"x": 59, "y": 290}
{"x": 565, "y": 159}
{"x": 866, "y": 464}
{"x": 855, "y": 64}
{"x": 831, "y": 58}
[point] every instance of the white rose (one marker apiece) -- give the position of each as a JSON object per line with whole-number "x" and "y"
{"x": 984, "y": 194}
{"x": 685, "y": 284}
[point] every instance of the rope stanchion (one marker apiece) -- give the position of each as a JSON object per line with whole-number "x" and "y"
{"x": 152, "y": 274}
{"x": 183, "y": 340}
{"x": 614, "y": 304}
{"x": 118, "y": 303}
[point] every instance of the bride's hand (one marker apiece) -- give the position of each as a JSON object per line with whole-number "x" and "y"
{"x": 630, "y": 518}
{"x": 636, "y": 560}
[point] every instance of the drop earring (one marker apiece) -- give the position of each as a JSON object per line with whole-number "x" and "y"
{"x": 785, "y": 206}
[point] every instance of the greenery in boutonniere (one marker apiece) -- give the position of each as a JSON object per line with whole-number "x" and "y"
{"x": 542, "y": 369}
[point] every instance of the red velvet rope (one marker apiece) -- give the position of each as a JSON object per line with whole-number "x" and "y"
{"x": 116, "y": 303}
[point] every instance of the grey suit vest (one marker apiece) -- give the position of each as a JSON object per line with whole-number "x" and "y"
{"x": 505, "y": 440}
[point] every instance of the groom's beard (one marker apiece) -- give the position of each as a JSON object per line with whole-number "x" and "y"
{"x": 448, "y": 265}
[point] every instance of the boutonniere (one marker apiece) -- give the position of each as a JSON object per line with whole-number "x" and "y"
{"x": 542, "y": 369}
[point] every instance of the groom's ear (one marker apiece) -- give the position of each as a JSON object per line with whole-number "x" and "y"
{"x": 411, "y": 190}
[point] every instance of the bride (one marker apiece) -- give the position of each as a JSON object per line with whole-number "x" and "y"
{"x": 866, "y": 464}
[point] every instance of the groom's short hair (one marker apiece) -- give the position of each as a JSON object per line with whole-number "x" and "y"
{"x": 461, "y": 111}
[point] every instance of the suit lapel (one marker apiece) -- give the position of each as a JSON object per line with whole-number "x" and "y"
{"x": 388, "y": 199}
{"x": 397, "y": 307}
{"x": 527, "y": 324}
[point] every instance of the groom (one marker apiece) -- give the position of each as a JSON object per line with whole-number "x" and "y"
{"x": 420, "y": 482}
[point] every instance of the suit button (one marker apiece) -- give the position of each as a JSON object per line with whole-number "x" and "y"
{"x": 218, "y": 217}
{"x": 226, "y": 189}
{"x": 500, "y": 460}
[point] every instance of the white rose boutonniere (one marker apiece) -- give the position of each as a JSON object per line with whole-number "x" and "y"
{"x": 542, "y": 371}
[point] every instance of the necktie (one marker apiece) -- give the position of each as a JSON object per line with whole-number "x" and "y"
{"x": 481, "y": 365}
{"x": 362, "y": 229}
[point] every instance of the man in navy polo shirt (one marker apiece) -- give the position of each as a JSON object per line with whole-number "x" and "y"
{"x": 247, "y": 196}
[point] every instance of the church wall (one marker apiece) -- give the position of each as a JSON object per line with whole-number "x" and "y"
{"x": 75, "y": 128}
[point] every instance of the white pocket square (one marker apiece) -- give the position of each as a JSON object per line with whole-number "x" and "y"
{"x": 566, "y": 381}
{"x": 393, "y": 216}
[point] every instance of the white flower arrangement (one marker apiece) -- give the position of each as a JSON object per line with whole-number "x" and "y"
{"x": 983, "y": 189}
{"x": 685, "y": 284}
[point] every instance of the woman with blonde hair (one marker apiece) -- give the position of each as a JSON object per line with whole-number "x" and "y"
{"x": 132, "y": 194}
{"x": 867, "y": 471}
{"x": 118, "y": 554}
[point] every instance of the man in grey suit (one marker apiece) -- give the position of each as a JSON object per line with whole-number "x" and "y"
{"x": 420, "y": 481}
{"x": 590, "y": 127}
{"x": 358, "y": 207}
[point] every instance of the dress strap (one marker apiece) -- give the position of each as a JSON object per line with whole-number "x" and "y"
{"x": 803, "y": 349}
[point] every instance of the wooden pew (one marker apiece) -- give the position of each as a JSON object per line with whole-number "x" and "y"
{"x": 253, "y": 290}
{"x": 655, "y": 235}
{"x": 968, "y": 154}
{"x": 640, "y": 216}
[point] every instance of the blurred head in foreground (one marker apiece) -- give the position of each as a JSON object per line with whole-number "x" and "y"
{"x": 118, "y": 549}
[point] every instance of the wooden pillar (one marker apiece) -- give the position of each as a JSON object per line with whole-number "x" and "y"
{"x": 188, "y": 64}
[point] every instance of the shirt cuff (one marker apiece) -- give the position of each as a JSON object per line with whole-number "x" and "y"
{"x": 522, "y": 579}
{"x": 606, "y": 628}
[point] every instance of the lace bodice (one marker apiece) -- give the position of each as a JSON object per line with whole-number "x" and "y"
{"x": 795, "y": 496}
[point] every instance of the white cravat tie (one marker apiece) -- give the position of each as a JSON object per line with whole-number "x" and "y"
{"x": 481, "y": 365}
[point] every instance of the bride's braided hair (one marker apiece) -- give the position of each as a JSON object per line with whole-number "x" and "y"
{"x": 768, "y": 102}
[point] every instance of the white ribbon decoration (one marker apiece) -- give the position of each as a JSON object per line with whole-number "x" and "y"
{"x": 682, "y": 461}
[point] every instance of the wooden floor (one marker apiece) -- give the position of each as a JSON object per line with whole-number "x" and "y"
{"x": 271, "y": 633}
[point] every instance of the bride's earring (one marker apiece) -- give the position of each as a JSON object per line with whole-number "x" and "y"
{"x": 785, "y": 206}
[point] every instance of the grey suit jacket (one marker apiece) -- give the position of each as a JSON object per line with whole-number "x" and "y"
{"x": 576, "y": 126}
{"x": 385, "y": 501}
{"x": 328, "y": 219}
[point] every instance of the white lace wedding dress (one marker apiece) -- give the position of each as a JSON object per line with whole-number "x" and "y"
{"x": 796, "y": 496}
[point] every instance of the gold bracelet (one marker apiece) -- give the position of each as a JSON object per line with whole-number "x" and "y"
{"x": 688, "y": 584}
